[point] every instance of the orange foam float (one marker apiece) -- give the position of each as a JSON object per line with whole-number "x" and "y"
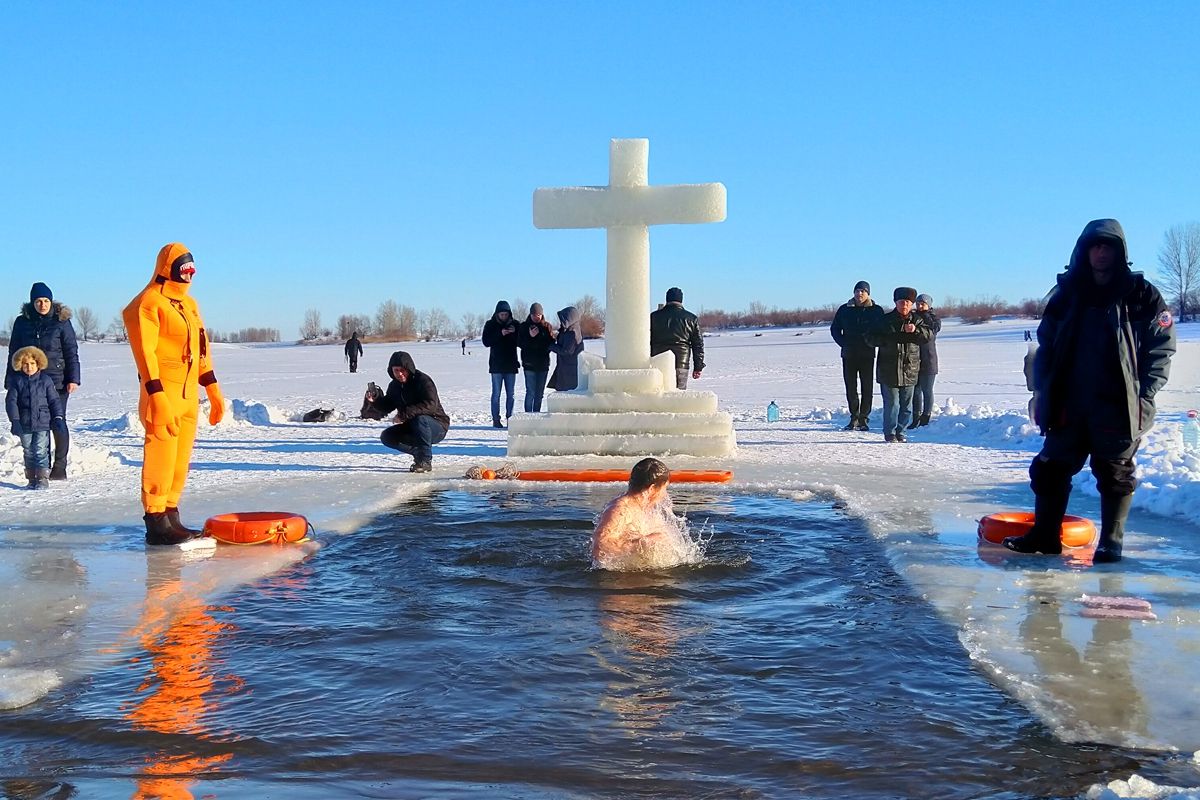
{"x": 995, "y": 528}
{"x": 258, "y": 527}
{"x": 611, "y": 475}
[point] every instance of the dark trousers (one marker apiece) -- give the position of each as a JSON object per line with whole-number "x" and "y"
{"x": 1097, "y": 434}
{"x": 416, "y": 437}
{"x": 860, "y": 386}
{"x": 354, "y": 363}
{"x": 62, "y": 437}
{"x": 922, "y": 404}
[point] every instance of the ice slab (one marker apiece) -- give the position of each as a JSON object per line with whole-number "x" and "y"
{"x": 634, "y": 381}
{"x": 621, "y": 444}
{"x": 629, "y": 423}
{"x": 674, "y": 402}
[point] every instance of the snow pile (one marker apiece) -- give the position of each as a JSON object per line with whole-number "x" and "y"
{"x": 252, "y": 413}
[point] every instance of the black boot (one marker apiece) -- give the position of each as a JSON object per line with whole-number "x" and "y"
{"x": 1113, "y": 512}
{"x": 59, "y": 471}
{"x": 496, "y": 422}
{"x": 924, "y": 420}
{"x": 179, "y": 527}
{"x": 916, "y": 423}
{"x": 1046, "y": 534}
{"x": 160, "y": 532}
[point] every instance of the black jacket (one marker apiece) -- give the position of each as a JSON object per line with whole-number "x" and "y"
{"x": 899, "y": 362}
{"x": 674, "y": 328}
{"x": 502, "y": 357}
{"x": 535, "y": 350}
{"x": 1142, "y": 328}
{"x": 852, "y": 326}
{"x": 353, "y": 347}
{"x": 54, "y": 335}
{"x": 416, "y": 397}
{"x": 929, "y": 361}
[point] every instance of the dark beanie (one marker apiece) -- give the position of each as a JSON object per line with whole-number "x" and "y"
{"x": 904, "y": 293}
{"x": 40, "y": 289}
{"x": 536, "y": 308}
{"x": 866, "y": 287}
{"x": 674, "y": 295}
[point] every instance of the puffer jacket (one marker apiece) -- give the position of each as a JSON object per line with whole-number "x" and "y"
{"x": 674, "y": 328}
{"x": 1138, "y": 318}
{"x": 502, "y": 355}
{"x": 32, "y": 402}
{"x": 418, "y": 396}
{"x": 54, "y": 335}
{"x": 899, "y": 360}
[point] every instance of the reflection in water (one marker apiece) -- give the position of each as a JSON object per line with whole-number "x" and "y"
{"x": 1098, "y": 683}
{"x": 178, "y": 631}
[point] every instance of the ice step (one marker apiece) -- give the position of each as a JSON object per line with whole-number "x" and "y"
{"x": 633, "y": 422}
{"x": 673, "y": 402}
{"x": 621, "y": 444}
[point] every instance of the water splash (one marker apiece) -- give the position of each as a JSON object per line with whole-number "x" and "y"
{"x": 674, "y": 543}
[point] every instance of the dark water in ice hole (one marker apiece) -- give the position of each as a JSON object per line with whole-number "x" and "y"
{"x": 461, "y": 647}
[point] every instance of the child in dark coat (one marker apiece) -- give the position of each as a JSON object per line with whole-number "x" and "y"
{"x": 34, "y": 408}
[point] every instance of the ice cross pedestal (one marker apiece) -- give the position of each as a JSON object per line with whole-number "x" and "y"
{"x": 628, "y": 405}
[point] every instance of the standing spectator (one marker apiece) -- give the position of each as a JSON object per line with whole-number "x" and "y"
{"x": 500, "y": 336}
{"x": 851, "y": 329}
{"x": 674, "y": 328}
{"x": 46, "y": 325}
{"x": 899, "y": 337}
{"x": 1104, "y": 350}
{"x": 923, "y": 396}
{"x": 420, "y": 422}
{"x": 534, "y": 338}
{"x": 353, "y": 351}
{"x": 34, "y": 409}
{"x": 567, "y": 346}
{"x": 464, "y": 347}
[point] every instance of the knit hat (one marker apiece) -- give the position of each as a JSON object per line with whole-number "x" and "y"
{"x": 536, "y": 308}
{"x": 866, "y": 287}
{"x": 905, "y": 293}
{"x": 926, "y": 299}
{"x": 674, "y": 295}
{"x": 40, "y": 289}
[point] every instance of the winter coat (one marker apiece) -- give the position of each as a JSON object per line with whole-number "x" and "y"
{"x": 1135, "y": 313}
{"x": 415, "y": 397}
{"x": 674, "y": 328}
{"x": 899, "y": 360}
{"x": 852, "y": 326}
{"x": 353, "y": 348}
{"x": 929, "y": 361}
{"x": 567, "y": 348}
{"x": 54, "y": 335}
{"x": 535, "y": 350}
{"x": 32, "y": 402}
{"x": 503, "y": 356}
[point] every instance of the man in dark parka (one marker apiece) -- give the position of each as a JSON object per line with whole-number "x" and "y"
{"x": 420, "y": 422}
{"x": 852, "y": 325}
{"x": 674, "y": 328}
{"x": 354, "y": 349}
{"x": 1104, "y": 349}
{"x": 899, "y": 336}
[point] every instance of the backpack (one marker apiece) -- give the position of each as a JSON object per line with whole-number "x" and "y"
{"x": 368, "y": 407}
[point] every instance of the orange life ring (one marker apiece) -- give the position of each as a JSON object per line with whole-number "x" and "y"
{"x": 995, "y": 528}
{"x": 608, "y": 475}
{"x": 257, "y": 527}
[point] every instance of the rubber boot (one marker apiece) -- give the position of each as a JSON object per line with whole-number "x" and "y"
{"x": 1114, "y": 510}
{"x": 179, "y": 527}
{"x": 160, "y": 532}
{"x": 1046, "y": 534}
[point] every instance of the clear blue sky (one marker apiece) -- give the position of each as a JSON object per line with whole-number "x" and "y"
{"x": 335, "y": 155}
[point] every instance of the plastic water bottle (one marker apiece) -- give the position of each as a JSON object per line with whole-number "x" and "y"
{"x": 773, "y": 414}
{"x": 1191, "y": 432}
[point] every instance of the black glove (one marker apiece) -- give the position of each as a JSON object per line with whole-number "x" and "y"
{"x": 58, "y": 425}
{"x": 16, "y": 429}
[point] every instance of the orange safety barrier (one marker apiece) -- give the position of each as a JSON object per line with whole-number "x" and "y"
{"x": 257, "y": 527}
{"x": 609, "y": 475}
{"x": 995, "y": 528}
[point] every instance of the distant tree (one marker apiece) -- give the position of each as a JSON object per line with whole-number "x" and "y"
{"x": 408, "y": 323}
{"x": 435, "y": 324}
{"x": 1179, "y": 265}
{"x": 471, "y": 325}
{"x": 347, "y": 324}
{"x": 311, "y": 328}
{"x": 116, "y": 329}
{"x": 591, "y": 317}
{"x": 519, "y": 308}
{"x": 387, "y": 319}
{"x": 87, "y": 322}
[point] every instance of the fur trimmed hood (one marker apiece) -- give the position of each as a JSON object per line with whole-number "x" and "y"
{"x": 58, "y": 310}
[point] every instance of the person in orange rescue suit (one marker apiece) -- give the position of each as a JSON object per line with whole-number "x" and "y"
{"x": 171, "y": 351}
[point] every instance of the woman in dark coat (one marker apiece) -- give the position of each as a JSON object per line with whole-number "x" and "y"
{"x": 46, "y": 325}
{"x": 534, "y": 337}
{"x": 567, "y": 347}
{"x": 923, "y": 396}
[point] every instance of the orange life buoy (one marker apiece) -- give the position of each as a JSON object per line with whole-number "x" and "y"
{"x": 257, "y": 527}
{"x": 995, "y": 528}
{"x": 608, "y": 475}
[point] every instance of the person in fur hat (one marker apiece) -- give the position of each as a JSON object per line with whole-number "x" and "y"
{"x": 899, "y": 337}
{"x": 34, "y": 409}
{"x": 46, "y": 325}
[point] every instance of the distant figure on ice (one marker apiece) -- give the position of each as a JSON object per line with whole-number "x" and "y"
{"x": 851, "y": 328}
{"x": 567, "y": 346}
{"x": 353, "y": 351}
{"x": 899, "y": 336}
{"x": 639, "y": 529}
{"x": 34, "y": 409}
{"x": 1028, "y": 337}
{"x": 1104, "y": 350}
{"x": 674, "y": 328}
{"x": 535, "y": 337}
{"x": 464, "y": 347}
{"x": 500, "y": 337}
{"x": 923, "y": 395}
{"x": 174, "y": 359}
{"x": 46, "y": 325}
{"x": 420, "y": 422}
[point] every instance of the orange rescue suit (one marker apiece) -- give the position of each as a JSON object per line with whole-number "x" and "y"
{"x": 170, "y": 349}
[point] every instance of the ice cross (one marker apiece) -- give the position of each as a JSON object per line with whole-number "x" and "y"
{"x": 626, "y": 208}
